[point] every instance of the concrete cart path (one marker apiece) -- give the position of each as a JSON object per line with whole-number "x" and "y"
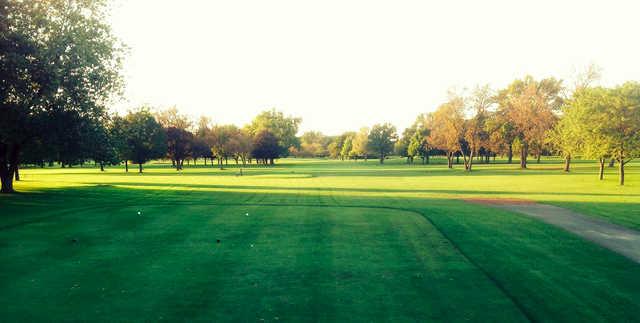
{"x": 622, "y": 240}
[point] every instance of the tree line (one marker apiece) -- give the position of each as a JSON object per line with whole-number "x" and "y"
{"x": 60, "y": 68}
{"x": 528, "y": 117}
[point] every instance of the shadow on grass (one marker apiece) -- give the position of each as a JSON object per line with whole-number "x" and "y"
{"x": 341, "y": 190}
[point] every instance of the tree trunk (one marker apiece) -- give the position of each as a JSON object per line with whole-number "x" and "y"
{"x": 8, "y": 166}
{"x": 538, "y": 158}
{"x": 17, "y": 173}
{"x": 271, "y": 161}
{"x": 457, "y": 159}
{"x": 126, "y": 166}
{"x": 427, "y": 157}
{"x": 381, "y": 159}
{"x": 524, "y": 152}
{"x": 601, "y": 172}
{"x": 140, "y": 168}
{"x": 101, "y": 166}
{"x": 7, "y": 180}
{"x": 470, "y": 162}
{"x": 450, "y": 160}
{"x": 621, "y": 163}
{"x": 612, "y": 162}
{"x": 510, "y": 154}
{"x": 567, "y": 163}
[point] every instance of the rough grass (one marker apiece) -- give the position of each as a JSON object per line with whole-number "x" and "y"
{"x": 332, "y": 241}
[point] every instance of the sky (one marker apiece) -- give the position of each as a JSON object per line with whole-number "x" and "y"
{"x": 341, "y": 65}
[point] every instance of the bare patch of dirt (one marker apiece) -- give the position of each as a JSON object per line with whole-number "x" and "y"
{"x": 499, "y": 201}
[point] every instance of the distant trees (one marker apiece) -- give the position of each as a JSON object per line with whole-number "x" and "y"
{"x": 313, "y": 144}
{"x": 381, "y": 139}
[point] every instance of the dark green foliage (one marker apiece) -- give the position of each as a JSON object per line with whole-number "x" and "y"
{"x": 266, "y": 147}
{"x": 145, "y": 138}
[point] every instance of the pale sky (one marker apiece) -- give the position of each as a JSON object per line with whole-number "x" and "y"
{"x": 341, "y": 65}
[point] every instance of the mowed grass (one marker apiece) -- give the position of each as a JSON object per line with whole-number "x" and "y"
{"x": 322, "y": 241}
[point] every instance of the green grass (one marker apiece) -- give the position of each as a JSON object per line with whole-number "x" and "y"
{"x": 324, "y": 241}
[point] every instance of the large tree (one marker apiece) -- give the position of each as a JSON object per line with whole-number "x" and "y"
{"x": 58, "y": 57}
{"x": 382, "y": 137}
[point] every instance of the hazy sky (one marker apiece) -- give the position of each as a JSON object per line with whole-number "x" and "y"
{"x": 345, "y": 64}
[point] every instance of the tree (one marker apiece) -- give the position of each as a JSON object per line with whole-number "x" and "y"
{"x": 243, "y": 146}
{"x": 313, "y": 144}
{"x": 614, "y": 120}
{"x": 58, "y": 58}
{"x": 145, "y": 138}
{"x": 282, "y": 127}
{"x": 179, "y": 145}
{"x": 448, "y": 127}
{"x": 102, "y": 149}
{"x": 475, "y": 134}
{"x": 529, "y": 107}
{"x": 401, "y": 147}
{"x": 418, "y": 146}
{"x": 382, "y": 137}
{"x": 219, "y": 141}
{"x": 266, "y": 147}
{"x": 118, "y": 135}
{"x": 568, "y": 135}
{"x": 200, "y": 149}
{"x": 347, "y": 147}
{"x": 172, "y": 118}
{"x": 202, "y": 138}
{"x": 359, "y": 144}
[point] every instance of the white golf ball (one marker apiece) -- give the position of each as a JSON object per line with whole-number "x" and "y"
{"x": 139, "y": 213}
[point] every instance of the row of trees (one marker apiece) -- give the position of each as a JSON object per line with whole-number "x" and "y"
{"x": 141, "y": 136}
{"x": 530, "y": 117}
{"x": 60, "y": 67}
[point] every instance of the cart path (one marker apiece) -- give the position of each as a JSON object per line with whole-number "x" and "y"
{"x": 622, "y": 240}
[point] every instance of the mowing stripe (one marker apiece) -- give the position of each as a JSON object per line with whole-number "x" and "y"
{"x": 487, "y": 274}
